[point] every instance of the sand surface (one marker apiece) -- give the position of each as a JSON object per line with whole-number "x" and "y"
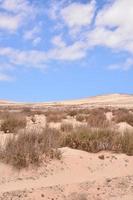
{"x": 78, "y": 175}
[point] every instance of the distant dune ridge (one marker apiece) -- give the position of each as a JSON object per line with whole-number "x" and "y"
{"x": 118, "y": 100}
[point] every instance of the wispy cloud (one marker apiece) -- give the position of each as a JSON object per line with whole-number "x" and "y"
{"x": 128, "y": 64}
{"x": 15, "y": 13}
{"x": 80, "y": 27}
{"x": 5, "y": 77}
{"x": 113, "y": 27}
{"x": 78, "y": 14}
{"x": 33, "y": 35}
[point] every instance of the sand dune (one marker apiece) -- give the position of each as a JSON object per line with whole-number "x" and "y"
{"x": 117, "y": 100}
{"x": 79, "y": 172}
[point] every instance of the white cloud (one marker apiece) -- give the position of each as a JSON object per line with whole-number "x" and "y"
{"x": 9, "y": 22}
{"x": 29, "y": 58}
{"x": 39, "y": 59}
{"x": 71, "y": 52}
{"x": 114, "y": 26}
{"x": 78, "y": 14}
{"x": 58, "y": 41}
{"x": 23, "y": 7}
{"x": 32, "y": 35}
{"x": 15, "y": 13}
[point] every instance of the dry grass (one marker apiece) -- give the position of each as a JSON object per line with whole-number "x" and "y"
{"x": 12, "y": 122}
{"x": 55, "y": 116}
{"x": 95, "y": 140}
{"x": 29, "y": 148}
{"x": 66, "y": 127}
{"x": 72, "y": 113}
{"x": 97, "y": 118}
{"x": 123, "y": 115}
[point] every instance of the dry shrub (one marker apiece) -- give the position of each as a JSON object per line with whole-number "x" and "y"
{"x": 27, "y": 111}
{"x": 55, "y": 116}
{"x": 81, "y": 117}
{"x": 4, "y": 114}
{"x": 97, "y": 118}
{"x": 123, "y": 115}
{"x": 31, "y": 112}
{"x": 85, "y": 111}
{"x": 125, "y": 143}
{"x": 72, "y": 113}
{"x": 29, "y": 148}
{"x": 95, "y": 140}
{"x": 89, "y": 140}
{"x": 12, "y": 122}
{"x": 66, "y": 127}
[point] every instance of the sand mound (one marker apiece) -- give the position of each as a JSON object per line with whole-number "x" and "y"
{"x": 78, "y": 174}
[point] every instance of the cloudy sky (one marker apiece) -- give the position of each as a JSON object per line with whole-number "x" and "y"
{"x": 65, "y": 49}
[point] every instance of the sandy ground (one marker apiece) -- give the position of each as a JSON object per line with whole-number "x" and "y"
{"x": 78, "y": 175}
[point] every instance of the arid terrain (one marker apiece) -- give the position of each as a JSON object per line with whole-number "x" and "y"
{"x": 71, "y": 150}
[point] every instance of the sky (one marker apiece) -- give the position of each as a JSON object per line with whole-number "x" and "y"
{"x": 54, "y": 50}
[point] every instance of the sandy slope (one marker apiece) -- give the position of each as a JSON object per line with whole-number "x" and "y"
{"x": 119, "y": 100}
{"x": 78, "y": 173}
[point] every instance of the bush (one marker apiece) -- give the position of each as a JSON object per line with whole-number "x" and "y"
{"x": 97, "y": 118}
{"x": 125, "y": 143}
{"x": 55, "y": 116}
{"x": 89, "y": 140}
{"x": 95, "y": 140}
{"x": 29, "y": 148}
{"x": 123, "y": 116}
{"x": 12, "y": 122}
{"x": 81, "y": 117}
{"x": 66, "y": 127}
{"x": 72, "y": 113}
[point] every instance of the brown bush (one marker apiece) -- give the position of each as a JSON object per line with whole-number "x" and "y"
{"x": 90, "y": 140}
{"x": 55, "y": 116}
{"x": 66, "y": 127}
{"x": 81, "y": 117}
{"x": 12, "y": 122}
{"x": 97, "y": 118}
{"x": 72, "y": 113}
{"x": 29, "y": 148}
{"x": 123, "y": 116}
{"x": 95, "y": 140}
{"x": 125, "y": 143}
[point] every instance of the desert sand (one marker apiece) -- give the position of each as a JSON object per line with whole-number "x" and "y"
{"x": 79, "y": 175}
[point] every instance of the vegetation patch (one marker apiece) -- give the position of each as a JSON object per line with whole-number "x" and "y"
{"x": 123, "y": 115}
{"x": 96, "y": 140}
{"x": 12, "y": 122}
{"x": 29, "y": 148}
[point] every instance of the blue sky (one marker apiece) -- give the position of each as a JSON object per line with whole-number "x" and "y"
{"x": 53, "y": 50}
